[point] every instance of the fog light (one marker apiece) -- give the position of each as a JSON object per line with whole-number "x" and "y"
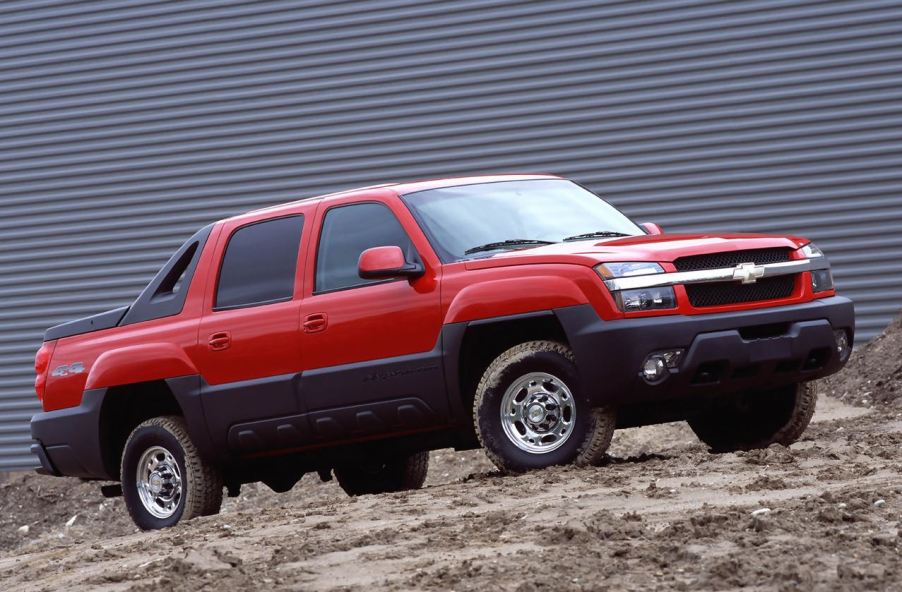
{"x": 843, "y": 347}
{"x": 672, "y": 358}
{"x": 656, "y": 365}
{"x": 654, "y": 368}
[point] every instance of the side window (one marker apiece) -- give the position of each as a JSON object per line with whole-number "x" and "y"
{"x": 172, "y": 281}
{"x": 259, "y": 263}
{"x": 347, "y": 232}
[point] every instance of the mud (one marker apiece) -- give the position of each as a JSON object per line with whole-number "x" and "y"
{"x": 662, "y": 514}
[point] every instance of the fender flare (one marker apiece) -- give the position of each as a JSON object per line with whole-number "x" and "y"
{"x": 139, "y": 363}
{"x": 514, "y": 296}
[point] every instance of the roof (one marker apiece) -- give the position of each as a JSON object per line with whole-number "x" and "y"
{"x": 414, "y": 186}
{"x": 405, "y": 188}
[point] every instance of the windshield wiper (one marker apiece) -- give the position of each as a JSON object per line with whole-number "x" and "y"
{"x": 514, "y": 242}
{"x": 596, "y": 234}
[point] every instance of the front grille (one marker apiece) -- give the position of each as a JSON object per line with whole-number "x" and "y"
{"x": 723, "y": 293}
{"x": 732, "y": 259}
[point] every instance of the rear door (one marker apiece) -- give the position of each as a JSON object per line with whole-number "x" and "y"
{"x": 371, "y": 347}
{"x": 249, "y": 339}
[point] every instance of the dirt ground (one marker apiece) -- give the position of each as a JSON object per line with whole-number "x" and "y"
{"x": 663, "y": 514}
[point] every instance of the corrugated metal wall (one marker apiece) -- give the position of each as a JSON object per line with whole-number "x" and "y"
{"x": 125, "y": 125}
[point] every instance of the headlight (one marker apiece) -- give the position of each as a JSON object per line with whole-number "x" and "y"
{"x": 810, "y": 251}
{"x": 645, "y": 299}
{"x": 642, "y": 299}
{"x": 821, "y": 280}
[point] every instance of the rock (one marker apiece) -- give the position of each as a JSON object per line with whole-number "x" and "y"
{"x": 23, "y": 529}
{"x": 71, "y": 521}
{"x": 761, "y": 512}
{"x": 880, "y": 503}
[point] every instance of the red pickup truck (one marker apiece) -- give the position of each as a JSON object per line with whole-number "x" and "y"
{"x": 355, "y": 332}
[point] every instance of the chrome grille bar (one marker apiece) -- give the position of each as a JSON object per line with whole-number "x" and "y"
{"x": 707, "y": 276}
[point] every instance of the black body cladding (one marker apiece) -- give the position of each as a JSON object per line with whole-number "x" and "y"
{"x": 98, "y": 322}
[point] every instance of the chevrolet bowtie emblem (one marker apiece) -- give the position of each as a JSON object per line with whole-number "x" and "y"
{"x": 748, "y": 273}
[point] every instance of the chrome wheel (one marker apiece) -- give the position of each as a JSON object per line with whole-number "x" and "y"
{"x": 159, "y": 482}
{"x": 538, "y": 413}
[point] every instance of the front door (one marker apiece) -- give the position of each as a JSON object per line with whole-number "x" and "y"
{"x": 371, "y": 347}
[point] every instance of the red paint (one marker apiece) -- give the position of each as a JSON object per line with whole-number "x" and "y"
{"x": 139, "y": 363}
{"x": 393, "y": 317}
{"x": 263, "y": 340}
{"x": 380, "y": 261}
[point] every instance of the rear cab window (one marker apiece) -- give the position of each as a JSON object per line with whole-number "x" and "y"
{"x": 259, "y": 264}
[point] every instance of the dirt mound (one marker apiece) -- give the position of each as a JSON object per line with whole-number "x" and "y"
{"x": 874, "y": 373}
{"x": 33, "y": 507}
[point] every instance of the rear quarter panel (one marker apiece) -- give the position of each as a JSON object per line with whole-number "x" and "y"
{"x": 145, "y": 351}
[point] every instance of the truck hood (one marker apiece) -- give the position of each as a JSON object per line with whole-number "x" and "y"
{"x": 657, "y": 248}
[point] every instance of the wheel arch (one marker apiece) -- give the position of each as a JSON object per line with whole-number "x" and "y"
{"x": 126, "y": 406}
{"x": 478, "y": 343}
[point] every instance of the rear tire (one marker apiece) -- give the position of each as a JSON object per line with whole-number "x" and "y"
{"x": 164, "y": 480}
{"x": 399, "y": 473}
{"x": 539, "y": 377}
{"x": 757, "y": 420}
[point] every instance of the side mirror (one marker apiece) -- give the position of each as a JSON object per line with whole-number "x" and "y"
{"x": 652, "y": 228}
{"x": 381, "y": 263}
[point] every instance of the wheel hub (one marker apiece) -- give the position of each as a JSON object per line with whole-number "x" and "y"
{"x": 156, "y": 483}
{"x": 159, "y": 482}
{"x": 537, "y": 412}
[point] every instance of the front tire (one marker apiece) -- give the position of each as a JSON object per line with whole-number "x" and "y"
{"x": 757, "y": 420}
{"x": 164, "y": 480}
{"x": 530, "y": 413}
{"x": 398, "y": 473}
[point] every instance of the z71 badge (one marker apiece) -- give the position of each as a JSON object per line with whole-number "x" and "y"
{"x": 64, "y": 370}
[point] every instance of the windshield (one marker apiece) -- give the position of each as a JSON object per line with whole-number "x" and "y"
{"x": 484, "y": 219}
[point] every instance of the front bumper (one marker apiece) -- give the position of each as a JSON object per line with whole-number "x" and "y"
{"x": 727, "y": 352}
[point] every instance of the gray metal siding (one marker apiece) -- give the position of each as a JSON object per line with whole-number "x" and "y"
{"x": 126, "y": 125}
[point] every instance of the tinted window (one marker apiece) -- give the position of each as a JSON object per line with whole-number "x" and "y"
{"x": 347, "y": 232}
{"x": 259, "y": 263}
